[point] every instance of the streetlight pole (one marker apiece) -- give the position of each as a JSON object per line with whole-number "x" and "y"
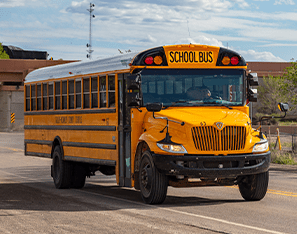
{"x": 89, "y": 45}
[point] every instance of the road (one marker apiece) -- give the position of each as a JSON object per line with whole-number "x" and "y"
{"x": 29, "y": 203}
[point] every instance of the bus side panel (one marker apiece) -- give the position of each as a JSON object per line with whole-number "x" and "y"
{"x": 87, "y": 140}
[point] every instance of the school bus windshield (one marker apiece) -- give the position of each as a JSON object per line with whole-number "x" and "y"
{"x": 193, "y": 87}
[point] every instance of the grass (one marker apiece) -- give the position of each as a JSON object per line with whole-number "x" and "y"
{"x": 280, "y": 157}
{"x": 287, "y": 123}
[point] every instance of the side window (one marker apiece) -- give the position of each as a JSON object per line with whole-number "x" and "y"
{"x": 78, "y": 93}
{"x": 64, "y": 94}
{"x": 111, "y": 91}
{"x": 44, "y": 98}
{"x": 33, "y": 97}
{"x": 102, "y": 91}
{"x": 57, "y": 95}
{"x": 94, "y": 92}
{"x": 71, "y": 94}
{"x": 51, "y": 96}
{"x": 38, "y": 96}
{"x": 86, "y": 86}
{"x": 27, "y": 89}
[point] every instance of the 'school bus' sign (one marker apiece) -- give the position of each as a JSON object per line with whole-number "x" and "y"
{"x": 193, "y": 57}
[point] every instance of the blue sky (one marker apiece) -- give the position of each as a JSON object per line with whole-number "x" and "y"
{"x": 260, "y": 30}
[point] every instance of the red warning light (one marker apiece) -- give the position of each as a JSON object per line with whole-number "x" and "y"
{"x": 149, "y": 60}
{"x": 234, "y": 60}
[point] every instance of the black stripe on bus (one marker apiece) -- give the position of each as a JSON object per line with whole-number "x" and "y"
{"x": 63, "y": 112}
{"x": 72, "y": 127}
{"x": 91, "y": 160}
{"x": 38, "y": 154}
{"x": 74, "y": 144}
{"x": 38, "y": 142}
{"x": 90, "y": 145}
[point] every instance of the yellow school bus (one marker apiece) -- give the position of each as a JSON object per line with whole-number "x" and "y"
{"x": 167, "y": 116}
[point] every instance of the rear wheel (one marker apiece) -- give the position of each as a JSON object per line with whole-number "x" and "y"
{"x": 254, "y": 187}
{"x": 78, "y": 177}
{"x": 153, "y": 184}
{"x": 62, "y": 170}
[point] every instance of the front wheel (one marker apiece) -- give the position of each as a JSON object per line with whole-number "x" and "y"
{"x": 254, "y": 187}
{"x": 153, "y": 184}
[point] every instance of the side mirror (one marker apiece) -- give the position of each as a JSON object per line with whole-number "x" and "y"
{"x": 284, "y": 107}
{"x": 253, "y": 95}
{"x": 253, "y": 79}
{"x": 133, "y": 99}
{"x": 133, "y": 82}
{"x": 133, "y": 90}
{"x": 154, "y": 107}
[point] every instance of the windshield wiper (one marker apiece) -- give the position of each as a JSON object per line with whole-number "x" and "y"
{"x": 218, "y": 104}
{"x": 180, "y": 101}
{"x": 225, "y": 105}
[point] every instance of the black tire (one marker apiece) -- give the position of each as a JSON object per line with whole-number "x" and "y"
{"x": 62, "y": 170}
{"x": 78, "y": 178}
{"x": 254, "y": 187}
{"x": 153, "y": 185}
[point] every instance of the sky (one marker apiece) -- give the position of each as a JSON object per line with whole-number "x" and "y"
{"x": 260, "y": 30}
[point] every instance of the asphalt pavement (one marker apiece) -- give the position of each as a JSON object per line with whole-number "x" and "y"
{"x": 29, "y": 203}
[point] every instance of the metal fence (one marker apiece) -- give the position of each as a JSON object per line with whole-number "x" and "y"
{"x": 287, "y": 135}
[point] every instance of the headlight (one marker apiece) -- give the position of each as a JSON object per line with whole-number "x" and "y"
{"x": 179, "y": 149}
{"x": 261, "y": 146}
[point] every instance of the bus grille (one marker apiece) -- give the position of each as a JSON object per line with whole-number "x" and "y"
{"x": 208, "y": 138}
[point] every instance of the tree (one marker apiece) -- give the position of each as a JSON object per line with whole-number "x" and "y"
{"x": 289, "y": 83}
{"x": 3, "y": 54}
{"x": 269, "y": 95}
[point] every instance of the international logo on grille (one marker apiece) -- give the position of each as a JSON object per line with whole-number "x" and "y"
{"x": 219, "y": 125}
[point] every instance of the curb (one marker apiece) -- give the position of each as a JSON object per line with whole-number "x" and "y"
{"x": 282, "y": 167}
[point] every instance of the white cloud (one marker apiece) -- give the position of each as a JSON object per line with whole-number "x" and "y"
{"x": 286, "y": 2}
{"x": 28, "y": 3}
{"x": 203, "y": 40}
{"x": 241, "y": 3}
{"x": 252, "y": 55}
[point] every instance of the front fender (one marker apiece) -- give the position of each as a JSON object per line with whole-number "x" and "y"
{"x": 150, "y": 139}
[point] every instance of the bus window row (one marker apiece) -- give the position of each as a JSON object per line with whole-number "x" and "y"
{"x": 80, "y": 93}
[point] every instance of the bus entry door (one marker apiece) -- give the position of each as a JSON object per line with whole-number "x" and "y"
{"x": 124, "y": 130}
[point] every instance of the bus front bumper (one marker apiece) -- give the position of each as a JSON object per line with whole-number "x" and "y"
{"x": 211, "y": 166}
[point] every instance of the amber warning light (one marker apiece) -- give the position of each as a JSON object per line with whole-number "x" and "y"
{"x": 150, "y": 60}
{"x": 233, "y": 60}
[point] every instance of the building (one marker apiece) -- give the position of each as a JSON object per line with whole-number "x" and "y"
{"x": 12, "y": 75}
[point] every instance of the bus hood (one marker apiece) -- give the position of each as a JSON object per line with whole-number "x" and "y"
{"x": 203, "y": 116}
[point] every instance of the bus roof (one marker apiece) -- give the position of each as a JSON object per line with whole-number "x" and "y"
{"x": 172, "y": 56}
{"x": 115, "y": 63}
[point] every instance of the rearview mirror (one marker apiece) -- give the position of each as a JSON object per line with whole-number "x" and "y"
{"x": 154, "y": 107}
{"x": 133, "y": 99}
{"x": 133, "y": 82}
{"x": 284, "y": 107}
{"x": 253, "y": 79}
{"x": 252, "y": 95}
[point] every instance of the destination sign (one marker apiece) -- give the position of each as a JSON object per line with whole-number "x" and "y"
{"x": 191, "y": 57}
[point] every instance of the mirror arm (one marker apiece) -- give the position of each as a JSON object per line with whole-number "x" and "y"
{"x": 268, "y": 117}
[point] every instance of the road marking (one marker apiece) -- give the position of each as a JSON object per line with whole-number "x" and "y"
{"x": 283, "y": 193}
{"x": 13, "y": 149}
{"x": 272, "y": 191}
{"x": 186, "y": 213}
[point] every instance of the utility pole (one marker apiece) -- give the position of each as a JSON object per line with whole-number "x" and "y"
{"x": 89, "y": 45}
